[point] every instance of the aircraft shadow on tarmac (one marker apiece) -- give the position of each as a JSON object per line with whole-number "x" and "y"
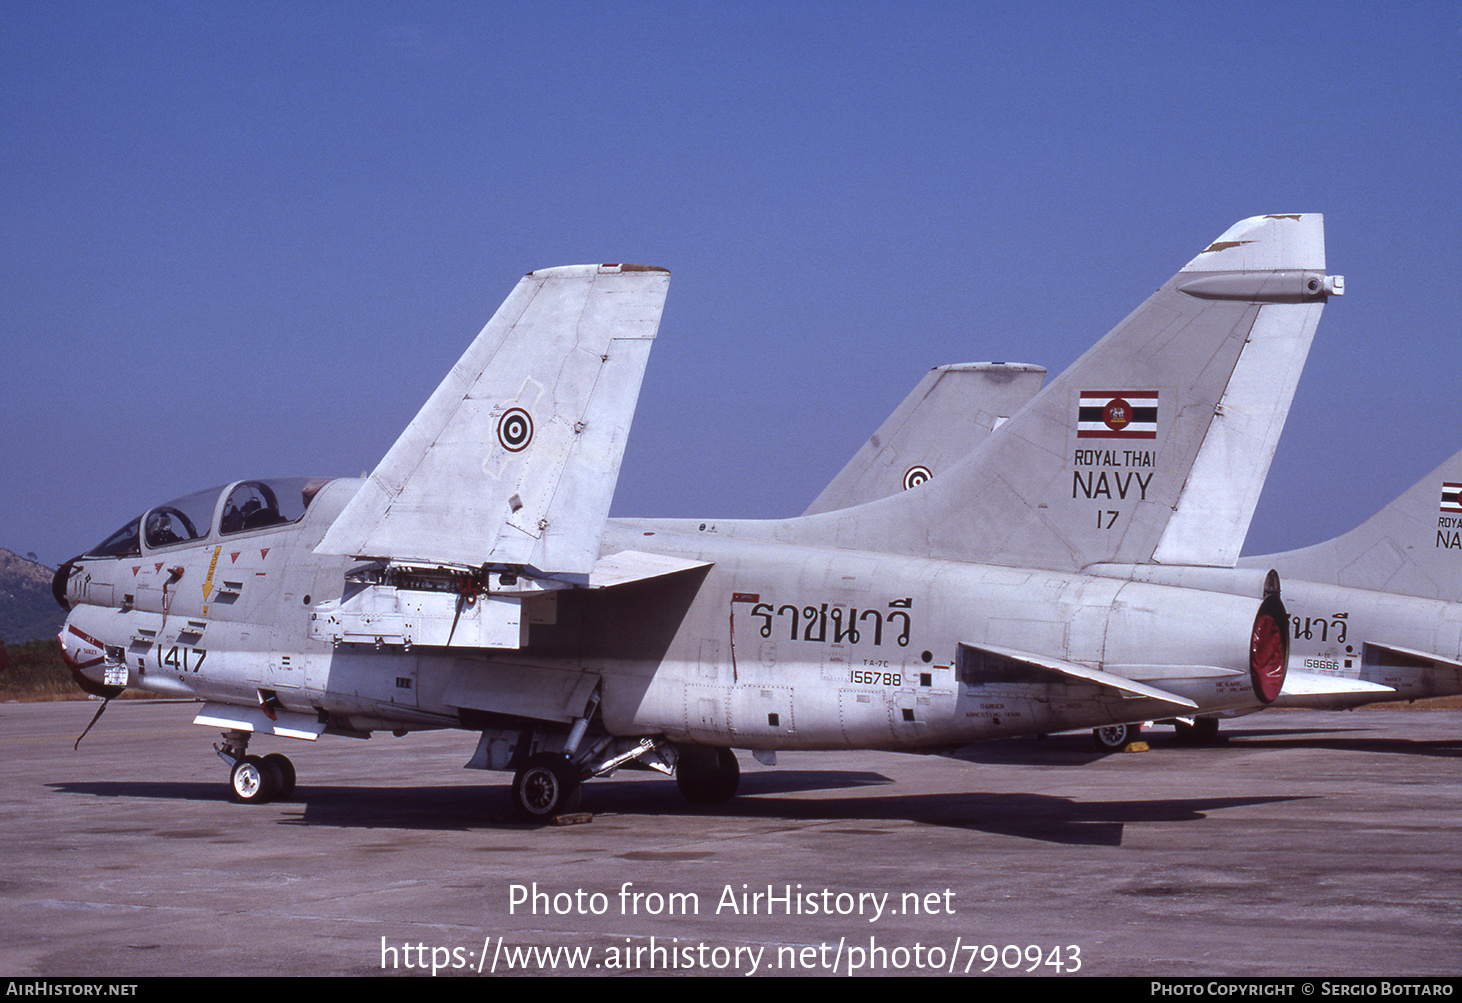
{"x": 1079, "y": 750}
{"x": 763, "y": 796}
{"x": 1043, "y": 817}
{"x": 1329, "y": 739}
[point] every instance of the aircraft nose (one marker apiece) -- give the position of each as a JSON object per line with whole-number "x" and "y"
{"x": 85, "y": 656}
{"x": 58, "y": 583}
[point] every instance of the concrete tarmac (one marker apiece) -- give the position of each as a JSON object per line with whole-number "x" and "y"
{"x": 1306, "y": 844}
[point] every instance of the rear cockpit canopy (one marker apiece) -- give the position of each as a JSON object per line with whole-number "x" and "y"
{"x": 240, "y": 507}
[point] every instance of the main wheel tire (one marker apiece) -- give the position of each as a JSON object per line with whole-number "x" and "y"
{"x": 707, "y": 776}
{"x": 1115, "y": 737}
{"x": 251, "y": 781}
{"x": 547, "y": 785}
{"x": 284, "y": 770}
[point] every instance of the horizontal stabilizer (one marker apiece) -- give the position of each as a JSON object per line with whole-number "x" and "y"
{"x": 1442, "y": 675}
{"x": 1390, "y": 654}
{"x": 514, "y": 458}
{"x": 1304, "y": 684}
{"x": 1160, "y": 672}
{"x": 985, "y": 663}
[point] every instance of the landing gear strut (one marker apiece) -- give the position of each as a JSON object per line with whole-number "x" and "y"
{"x": 251, "y": 779}
{"x": 707, "y": 776}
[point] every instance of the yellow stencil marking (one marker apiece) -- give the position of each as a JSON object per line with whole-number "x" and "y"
{"x": 208, "y": 582}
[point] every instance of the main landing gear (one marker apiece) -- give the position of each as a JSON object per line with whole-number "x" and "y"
{"x": 547, "y": 785}
{"x": 255, "y": 779}
{"x": 550, "y": 783}
{"x": 707, "y": 776}
{"x": 1116, "y": 737}
{"x": 1201, "y": 731}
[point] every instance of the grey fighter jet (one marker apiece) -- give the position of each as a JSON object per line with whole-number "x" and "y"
{"x": 474, "y": 581}
{"x": 1373, "y": 613}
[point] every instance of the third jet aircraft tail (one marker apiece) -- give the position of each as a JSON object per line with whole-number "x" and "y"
{"x": 1411, "y": 547}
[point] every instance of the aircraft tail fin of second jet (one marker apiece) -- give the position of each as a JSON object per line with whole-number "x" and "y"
{"x": 514, "y": 458}
{"x": 947, "y": 415}
{"x": 1153, "y": 446}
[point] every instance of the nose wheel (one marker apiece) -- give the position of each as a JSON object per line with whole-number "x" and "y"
{"x": 255, "y": 779}
{"x": 252, "y": 782}
{"x": 281, "y": 765}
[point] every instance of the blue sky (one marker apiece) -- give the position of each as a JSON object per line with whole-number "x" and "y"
{"x": 249, "y": 239}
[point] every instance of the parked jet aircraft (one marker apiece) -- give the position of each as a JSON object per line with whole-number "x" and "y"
{"x": 1390, "y": 586}
{"x": 473, "y": 580}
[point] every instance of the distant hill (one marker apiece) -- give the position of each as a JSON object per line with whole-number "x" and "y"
{"x": 28, "y": 611}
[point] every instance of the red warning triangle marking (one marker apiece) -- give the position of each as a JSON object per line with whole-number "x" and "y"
{"x": 233, "y": 556}
{"x": 157, "y": 566}
{"x": 263, "y": 553}
{"x": 136, "y": 568}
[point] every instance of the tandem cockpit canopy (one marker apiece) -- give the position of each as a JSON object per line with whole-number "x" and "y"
{"x": 240, "y": 507}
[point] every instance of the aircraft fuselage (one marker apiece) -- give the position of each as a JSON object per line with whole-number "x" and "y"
{"x": 773, "y": 645}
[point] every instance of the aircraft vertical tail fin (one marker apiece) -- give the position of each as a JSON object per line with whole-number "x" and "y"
{"x": 514, "y": 458}
{"x": 1412, "y": 547}
{"x": 1153, "y": 446}
{"x": 946, "y": 416}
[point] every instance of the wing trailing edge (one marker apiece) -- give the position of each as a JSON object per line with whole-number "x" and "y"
{"x": 985, "y": 664}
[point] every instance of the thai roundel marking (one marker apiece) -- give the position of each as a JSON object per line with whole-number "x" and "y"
{"x": 515, "y": 429}
{"x": 916, "y": 475}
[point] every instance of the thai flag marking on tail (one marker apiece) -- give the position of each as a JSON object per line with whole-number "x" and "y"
{"x": 1117, "y": 414}
{"x": 1451, "y": 497}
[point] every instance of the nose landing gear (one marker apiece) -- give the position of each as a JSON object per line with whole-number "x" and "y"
{"x": 252, "y": 779}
